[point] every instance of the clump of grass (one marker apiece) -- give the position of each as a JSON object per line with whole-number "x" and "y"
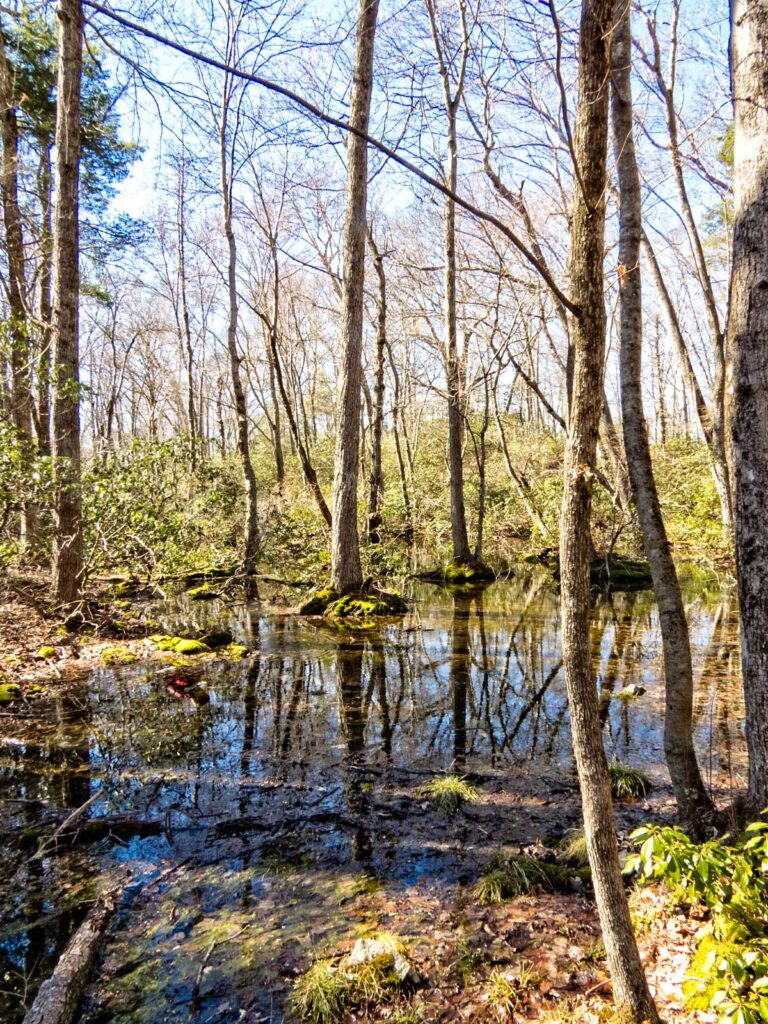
{"x": 448, "y": 793}
{"x": 508, "y": 877}
{"x": 505, "y": 991}
{"x": 330, "y": 989}
{"x": 321, "y": 995}
{"x": 468, "y": 960}
{"x": 572, "y": 849}
{"x": 628, "y": 783}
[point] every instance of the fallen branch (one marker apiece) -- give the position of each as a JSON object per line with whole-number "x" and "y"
{"x": 59, "y": 997}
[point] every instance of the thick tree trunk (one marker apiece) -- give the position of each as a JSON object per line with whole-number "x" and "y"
{"x": 346, "y": 571}
{"x": 376, "y": 482}
{"x": 587, "y": 250}
{"x": 68, "y": 529}
{"x": 748, "y": 330}
{"x": 693, "y": 803}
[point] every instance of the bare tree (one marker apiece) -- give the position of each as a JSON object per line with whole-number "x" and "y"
{"x": 587, "y": 252}
{"x": 68, "y": 535}
{"x": 346, "y": 570}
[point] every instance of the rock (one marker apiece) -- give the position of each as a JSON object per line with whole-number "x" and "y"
{"x": 217, "y": 638}
{"x": 365, "y": 950}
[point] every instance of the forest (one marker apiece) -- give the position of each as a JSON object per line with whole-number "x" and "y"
{"x": 383, "y": 544}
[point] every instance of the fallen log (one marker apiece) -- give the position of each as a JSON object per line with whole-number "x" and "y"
{"x": 59, "y": 996}
{"x": 115, "y": 826}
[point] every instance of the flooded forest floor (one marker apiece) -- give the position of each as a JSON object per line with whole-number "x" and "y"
{"x": 262, "y": 806}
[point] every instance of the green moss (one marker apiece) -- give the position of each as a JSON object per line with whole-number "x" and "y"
{"x": 185, "y": 646}
{"x": 316, "y": 602}
{"x": 362, "y": 610}
{"x": 45, "y": 653}
{"x": 178, "y": 644}
{"x": 203, "y": 593}
{"x": 9, "y": 692}
{"x": 467, "y": 573}
{"x": 235, "y": 652}
{"x": 112, "y": 656}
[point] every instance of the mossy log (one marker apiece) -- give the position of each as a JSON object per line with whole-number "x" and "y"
{"x": 614, "y": 573}
{"x": 460, "y": 574}
{"x": 59, "y": 997}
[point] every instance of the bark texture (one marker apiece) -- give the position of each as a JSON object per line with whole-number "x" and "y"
{"x": 376, "y": 481}
{"x": 68, "y": 529}
{"x": 693, "y": 803}
{"x": 59, "y": 997}
{"x": 587, "y": 249}
{"x": 748, "y": 330}
{"x": 346, "y": 571}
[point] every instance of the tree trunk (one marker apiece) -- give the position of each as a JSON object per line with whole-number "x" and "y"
{"x": 252, "y": 540}
{"x": 346, "y": 571}
{"x": 45, "y": 307}
{"x": 16, "y": 281}
{"x": 186, "y": 331}
{"x": 68, "y": 527}
{"x": 693, "y": 803}
{"x": 586, "y": 255}
{"x": 748, "y": 330}
{"x": 376, "y": 490}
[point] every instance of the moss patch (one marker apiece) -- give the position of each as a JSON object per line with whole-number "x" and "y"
{"x": 9, "y": 692}
{"x": 316, "y": 602}
{"x": 203, "y": 593}
{"x": 364, "y": 608}
{"x": 179, "y": 644}
{"x": 112, "y": 656}
{"x": 46, "y": 653}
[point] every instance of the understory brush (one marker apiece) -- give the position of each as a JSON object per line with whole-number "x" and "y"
{"x": 729, "y": 879}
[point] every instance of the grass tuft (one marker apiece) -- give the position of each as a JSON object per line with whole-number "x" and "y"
{"x": 321, "y": 995}
{"x": 572, "y": 849}
{"x": 508, "y": 877}
{"x": 628, "y": 783}
{"x": 448, "y": 793}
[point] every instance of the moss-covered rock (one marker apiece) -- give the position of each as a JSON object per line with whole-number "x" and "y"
{"x": 9, "y": 692}
{"x": 179, "y": 644}
{"x": 460, "y": 574}
{"x": 114, "y": 656}
{"x": 45, "y": 653}
{"x": 203, "y": 593}
{"x": 318, "y": 600}
{"x": 363, "y": 609}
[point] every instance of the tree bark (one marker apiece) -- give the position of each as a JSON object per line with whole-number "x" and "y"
{"x": 376, "y": 488}
{"x": 346, "y": 570}
{"x": 586, "y": 255}
{"x": 451, "y": 101}
{"x": 748, "y": 329}
{"x": 693, "y": 803}
{"x": 68, "y": 525}
{"x": 16, "y": 284}
{"x": 252, "y": 540}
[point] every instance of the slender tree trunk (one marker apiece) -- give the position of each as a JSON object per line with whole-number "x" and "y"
{"x": 68, "y": 527}
{"x": 376, "y": 489}
{"x": 45, "y": 307}
{"x": 16, "y": 280}
{"x": 252, "y": 540}
{"x": 277, "y": 440}
{"x": 748, "y": 329}
{"x": 693, "y": 803}
{"x": 186, "y": 330}
{"x": 586, "y": 255}
{"x": 346, "y": 570}
{"x": 719, "y": 464}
